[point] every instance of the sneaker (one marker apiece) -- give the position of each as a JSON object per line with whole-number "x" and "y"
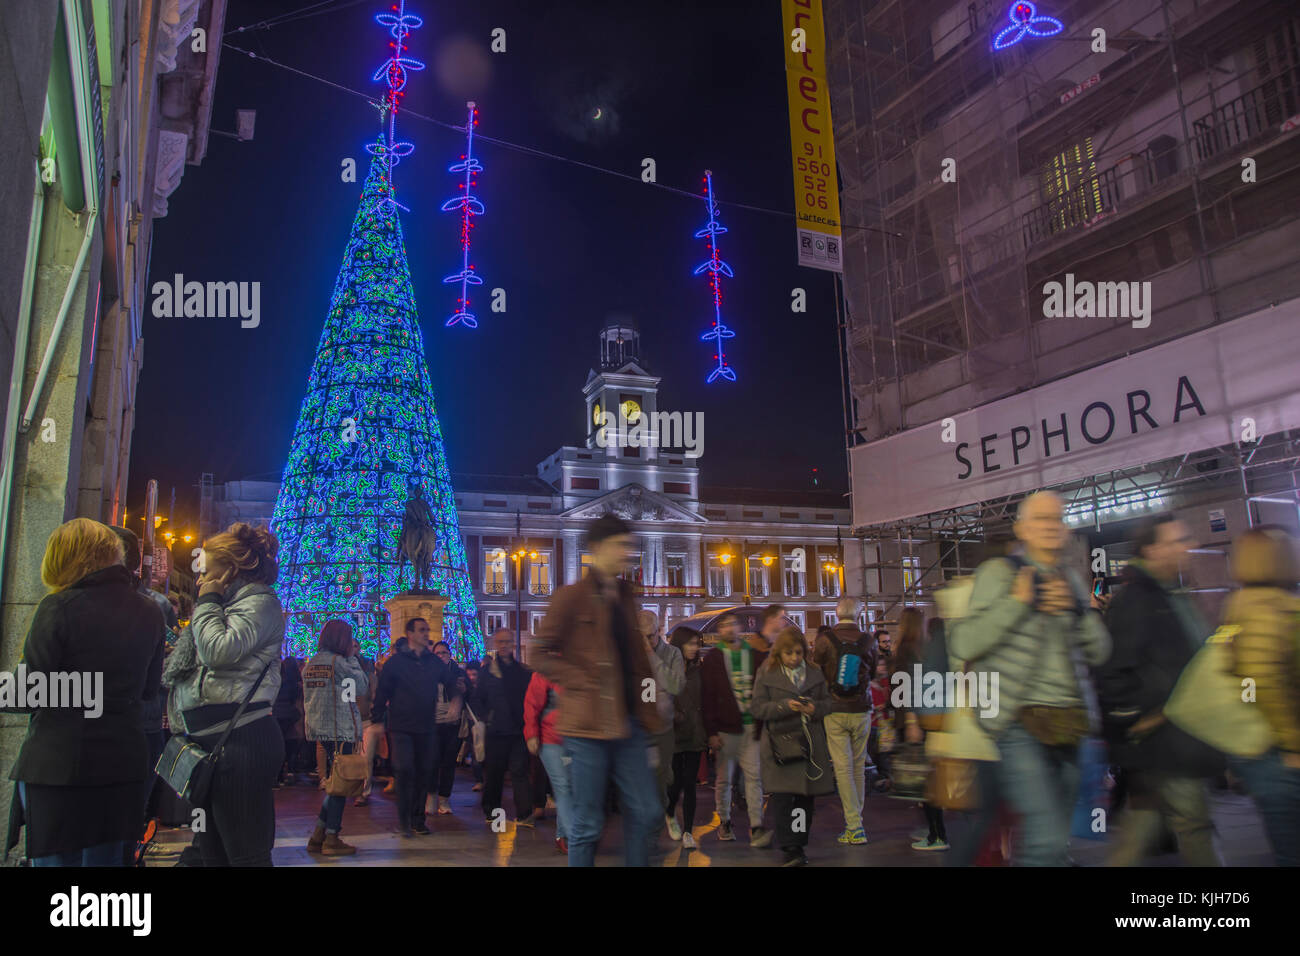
{"x": 858, "y": 837}
{"x": 391, "y": 787}
{"x": 725, "y": 832}
{"x": 688, "y": 840}
{"x": 674, "y": 828}
{"x": 928, "y": 844}
{"x": 444, "y": 806}
{"x": 361, "y": 801}
{"x": 844, "y": 837}
{"x": 529, "y": 822}
{"x": 403, "y": 832}
{"x": 760, "y": 838}
{"x": 922, "y": 834}
{"x": 795, "y": 858}
{"x": 420, "y": 827}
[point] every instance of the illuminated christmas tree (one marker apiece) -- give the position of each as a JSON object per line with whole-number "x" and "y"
{"x": 368, "y": 437}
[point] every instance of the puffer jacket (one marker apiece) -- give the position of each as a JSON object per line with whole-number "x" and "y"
{"x": 233, "y": 640}
{"x": 332, "y": 711}
{"x": 1268, "y": 652}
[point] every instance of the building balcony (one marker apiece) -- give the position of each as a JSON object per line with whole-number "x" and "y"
{"x": 491, "y": 588}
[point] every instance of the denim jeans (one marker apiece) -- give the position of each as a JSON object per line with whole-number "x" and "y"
{"x": 557, "y": 769}
{"x": 331, "y": 809}
{"x": 593, "y": 764}
{"x": 1276, "y": 790}
{"x": 1041, "y": 784}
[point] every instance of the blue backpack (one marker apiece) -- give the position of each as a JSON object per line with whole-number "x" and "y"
{"x": 850, "y": 669}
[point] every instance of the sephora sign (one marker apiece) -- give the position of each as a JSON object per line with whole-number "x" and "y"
{"x": 1236, "y": 381}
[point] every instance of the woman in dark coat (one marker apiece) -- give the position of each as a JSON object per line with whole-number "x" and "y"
{"x": 689, "y": 739}
{"x": 83, "y": 766}
{"x": 792, "y": 697}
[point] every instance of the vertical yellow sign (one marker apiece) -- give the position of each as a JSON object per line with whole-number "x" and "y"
{"x": 812, "y": 139}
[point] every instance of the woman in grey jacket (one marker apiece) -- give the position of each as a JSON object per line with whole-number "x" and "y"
{"x": 792, "y": 700}
{"x": 332, "y": 682}
{"x": 233, "y": 643}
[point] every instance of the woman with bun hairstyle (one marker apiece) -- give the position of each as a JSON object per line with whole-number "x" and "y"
{"x": 232, "y": 643}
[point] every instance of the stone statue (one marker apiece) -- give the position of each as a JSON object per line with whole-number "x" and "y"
{"x": 419, "y": 538}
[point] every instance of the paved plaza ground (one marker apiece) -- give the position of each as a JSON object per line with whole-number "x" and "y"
{"x": 462, "y": 839}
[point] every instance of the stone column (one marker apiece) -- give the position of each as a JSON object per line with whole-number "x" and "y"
{"x": 572, "y": 567}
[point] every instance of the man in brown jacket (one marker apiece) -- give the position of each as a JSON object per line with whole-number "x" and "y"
{"x": 591, "y": 647}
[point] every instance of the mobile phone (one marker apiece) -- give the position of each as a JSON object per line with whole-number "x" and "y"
{"x": 1099, "y": 587}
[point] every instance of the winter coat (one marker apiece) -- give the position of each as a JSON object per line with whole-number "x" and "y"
{"x": 233, "y": 639}
{"x": 1150, "y": 648}
{"x": 499, "y": 701}
{"x": 718, "y": 698}
{"x": 669, "y": 676}
{"x": 407, "y": 691}
{"x": 541, "y": 708}
{"x": 688, "y": 718}
{"x": 772, "y": 693}
{"x": 100, "y": 625}
{"x": 1268, "y": 651}
{"x": 1000, "y": 634}
{"x": 332, "y": 712}
{"x": 575, "y": 648}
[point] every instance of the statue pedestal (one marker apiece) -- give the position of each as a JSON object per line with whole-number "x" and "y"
{"x": 425, "y": 604}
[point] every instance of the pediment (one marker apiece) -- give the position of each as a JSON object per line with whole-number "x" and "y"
{"x": 635, "y": 502}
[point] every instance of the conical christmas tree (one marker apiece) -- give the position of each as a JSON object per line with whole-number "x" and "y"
{"x": 367, "y": 439}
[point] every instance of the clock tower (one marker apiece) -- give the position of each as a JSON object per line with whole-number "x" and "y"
{"x": 620, "y": 391}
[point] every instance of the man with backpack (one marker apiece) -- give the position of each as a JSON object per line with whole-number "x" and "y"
{"x": 847, "y": 658}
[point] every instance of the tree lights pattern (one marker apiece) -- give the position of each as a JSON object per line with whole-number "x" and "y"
{"x": 716, "y": 269}
{"x": 393, "y": 70}
{"x": 367, "y": 435}
{"x": 1025, "y": 21}
{"x": 469, "y": 206}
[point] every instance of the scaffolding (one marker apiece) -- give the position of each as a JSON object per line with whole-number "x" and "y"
{"x": 971, "y": 177}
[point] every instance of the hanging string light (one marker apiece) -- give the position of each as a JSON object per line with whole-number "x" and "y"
{"x": 716, "y": 269}
{"x": 394, "y": 71}
{"x": 469, "y": 206}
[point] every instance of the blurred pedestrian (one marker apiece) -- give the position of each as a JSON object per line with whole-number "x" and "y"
{"x": 847, "y": 659}
{"x": 499, "y": 702}
{"x": 1267, "y": 646}
{"x": 792, "y": 701}
{"x": 332, "y": 682}
{"x": 81, "y": 771}
{"x": 451, "y": 700}
{"x": 541, "y": 708}
{"x": 669, "y": 677}
{"x": 689, "y": 739}
{"x": 590, "y": 646}
{"x": 911, "y": 650}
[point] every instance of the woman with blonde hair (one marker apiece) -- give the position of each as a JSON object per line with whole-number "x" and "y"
{"x": 85, "y": 761}
{"x": 792, "y": 700}
{"x": 231, "y": 652}
{"x": 1266, "y": 612}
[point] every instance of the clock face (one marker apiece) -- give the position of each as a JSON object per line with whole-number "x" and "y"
{"x": 631, "y": 411}
{"x": 595, "y": 415}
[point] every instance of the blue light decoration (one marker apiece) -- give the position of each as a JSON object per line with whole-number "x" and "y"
{"x": 394, "y": 71}
{"x": 716, "y": 269}
{"x": 368, "y": 437}
{"x": 1025, "y": 21}
{"x": 469, "y": 206}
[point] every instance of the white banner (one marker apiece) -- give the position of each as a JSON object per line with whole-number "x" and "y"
{"x": 1209, "y": 388}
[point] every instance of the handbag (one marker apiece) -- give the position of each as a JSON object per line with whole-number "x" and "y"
{"x": 187, "y": 768}
{"x": 953, "y": 784}
{"x": 1056, "y": 726}
{"x": 348, "y": 772}
{"x": 788, "y": 746}
{"x": 478, "y": 736}
{"x": 1206, "y": 702}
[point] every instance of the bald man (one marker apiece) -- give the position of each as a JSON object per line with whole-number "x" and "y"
{"x": 669, "y": 671}
{"x": 1029, "y": 622}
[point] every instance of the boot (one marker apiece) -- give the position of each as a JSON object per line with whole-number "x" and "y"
{"x": 317, "y": 839}
{"x": 336, "y": 847}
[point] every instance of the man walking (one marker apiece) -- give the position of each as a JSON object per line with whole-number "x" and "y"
{"x": 726, "y": 689}
{"x": 848, "y": 662}
{"x": 1029, "y": 623}
{"x": 1156, "y": 630}
{"x": 407, "y": 696}
{"x": 590, "y": 646}
{"x": 669, "y": 671}
{"x": 499, "y": 702}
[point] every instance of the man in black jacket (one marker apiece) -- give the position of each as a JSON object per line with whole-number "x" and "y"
{"x": 1155, "y": 630}
{"x": 499, "y": 701}
{"x": 408, "y": 696}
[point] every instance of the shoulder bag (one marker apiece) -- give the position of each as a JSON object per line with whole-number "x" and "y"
{"x": 187, "y": 768}
{"x": 348, "y": 772}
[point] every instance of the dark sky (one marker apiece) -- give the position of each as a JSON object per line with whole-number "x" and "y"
{"x": 693, "y": 84}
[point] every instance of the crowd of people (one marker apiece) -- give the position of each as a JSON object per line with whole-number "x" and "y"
{"x": 612, "y": 715}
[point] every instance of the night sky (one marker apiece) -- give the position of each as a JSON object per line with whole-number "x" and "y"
{"x": 692, "y": 84}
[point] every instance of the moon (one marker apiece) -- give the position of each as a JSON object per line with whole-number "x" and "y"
{"x": 597, "y": 116}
